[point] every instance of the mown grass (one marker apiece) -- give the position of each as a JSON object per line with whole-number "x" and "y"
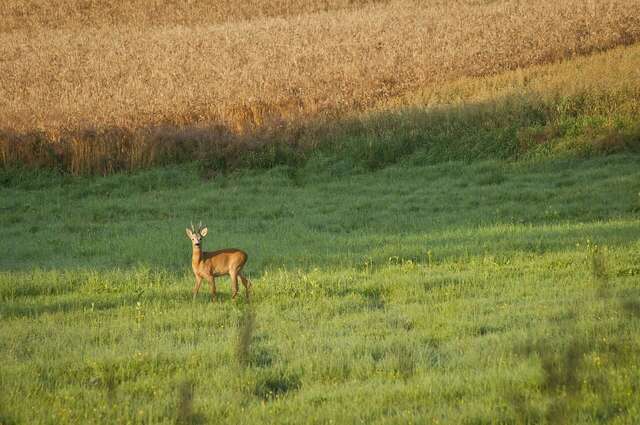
{"x": 491, "y": 292}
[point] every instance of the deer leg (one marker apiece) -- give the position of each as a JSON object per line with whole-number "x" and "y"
{"x": 197, "y": 287}
{"x": 212, "y": 285}
{"x": 234, "y": 284}
{"x": 246, "y": 283}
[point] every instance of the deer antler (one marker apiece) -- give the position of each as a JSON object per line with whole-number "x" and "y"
{"x": 200, "y": 227}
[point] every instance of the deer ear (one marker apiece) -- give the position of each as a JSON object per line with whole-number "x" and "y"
{"x": 189, "y": 233}
{"x": 204, "y": 232}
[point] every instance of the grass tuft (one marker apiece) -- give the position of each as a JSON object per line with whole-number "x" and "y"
{"x": 246, "y": 328}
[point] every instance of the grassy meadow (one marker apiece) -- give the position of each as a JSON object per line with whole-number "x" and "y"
{"x": 492, "y": 292}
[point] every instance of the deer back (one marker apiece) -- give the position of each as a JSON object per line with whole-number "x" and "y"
{"x": 223, "y": 261}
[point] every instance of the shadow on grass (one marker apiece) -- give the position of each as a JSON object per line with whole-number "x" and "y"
{"x": 571, "y": 363}
{"x": 7, "y": 420}
{"x": 502, "y": 241}
{"x": 32, "y": 300}
{"x": 30, "y": 290}
{"x": 19, "y": 309}
{"x": 273, "y": 384}
{"x": 373, "y": 297}
{"x": 185, "y": 414}
{"x": 507, "y": 127}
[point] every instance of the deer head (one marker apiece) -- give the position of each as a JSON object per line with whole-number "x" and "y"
{"x": 197, "y": 235}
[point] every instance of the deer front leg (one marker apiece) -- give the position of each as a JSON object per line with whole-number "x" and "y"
{"x": 246, "y": 283}
{"x": 197, "y": 287}
{"x": 212, "y": 285}
{"x": 234, "y": 284}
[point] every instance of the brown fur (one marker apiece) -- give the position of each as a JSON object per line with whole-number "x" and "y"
{"x": 209, "y": 265}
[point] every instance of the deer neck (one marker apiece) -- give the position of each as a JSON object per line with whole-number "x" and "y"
{"x": 197, "y": 254}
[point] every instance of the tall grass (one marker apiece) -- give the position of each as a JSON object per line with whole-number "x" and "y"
{"x": 99, "y": 97}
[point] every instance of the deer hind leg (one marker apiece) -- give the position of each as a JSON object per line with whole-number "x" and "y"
{"x": 212, "y": 285}
{"x": 234, "y": 283}
{"x": 197, "y": 287}
{"x": 246, "y": 283}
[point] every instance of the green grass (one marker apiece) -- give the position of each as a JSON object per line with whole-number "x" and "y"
{"x": 491, "y": 292}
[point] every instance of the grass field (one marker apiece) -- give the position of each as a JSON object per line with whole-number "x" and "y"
{"x": 491, "y": 292}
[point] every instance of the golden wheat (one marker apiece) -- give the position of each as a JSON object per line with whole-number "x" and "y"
{"x": 285, "y": 63}
{"x": 21, "y": 15}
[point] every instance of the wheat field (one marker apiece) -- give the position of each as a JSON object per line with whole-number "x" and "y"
{"x": 38, "y": 14}
{"x": 82, "y": 77}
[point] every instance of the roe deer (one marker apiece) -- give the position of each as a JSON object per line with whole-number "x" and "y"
{"x": 209, "y": 265}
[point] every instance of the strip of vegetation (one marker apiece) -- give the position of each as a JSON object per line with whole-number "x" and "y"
{"x": 586, "y": 122}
